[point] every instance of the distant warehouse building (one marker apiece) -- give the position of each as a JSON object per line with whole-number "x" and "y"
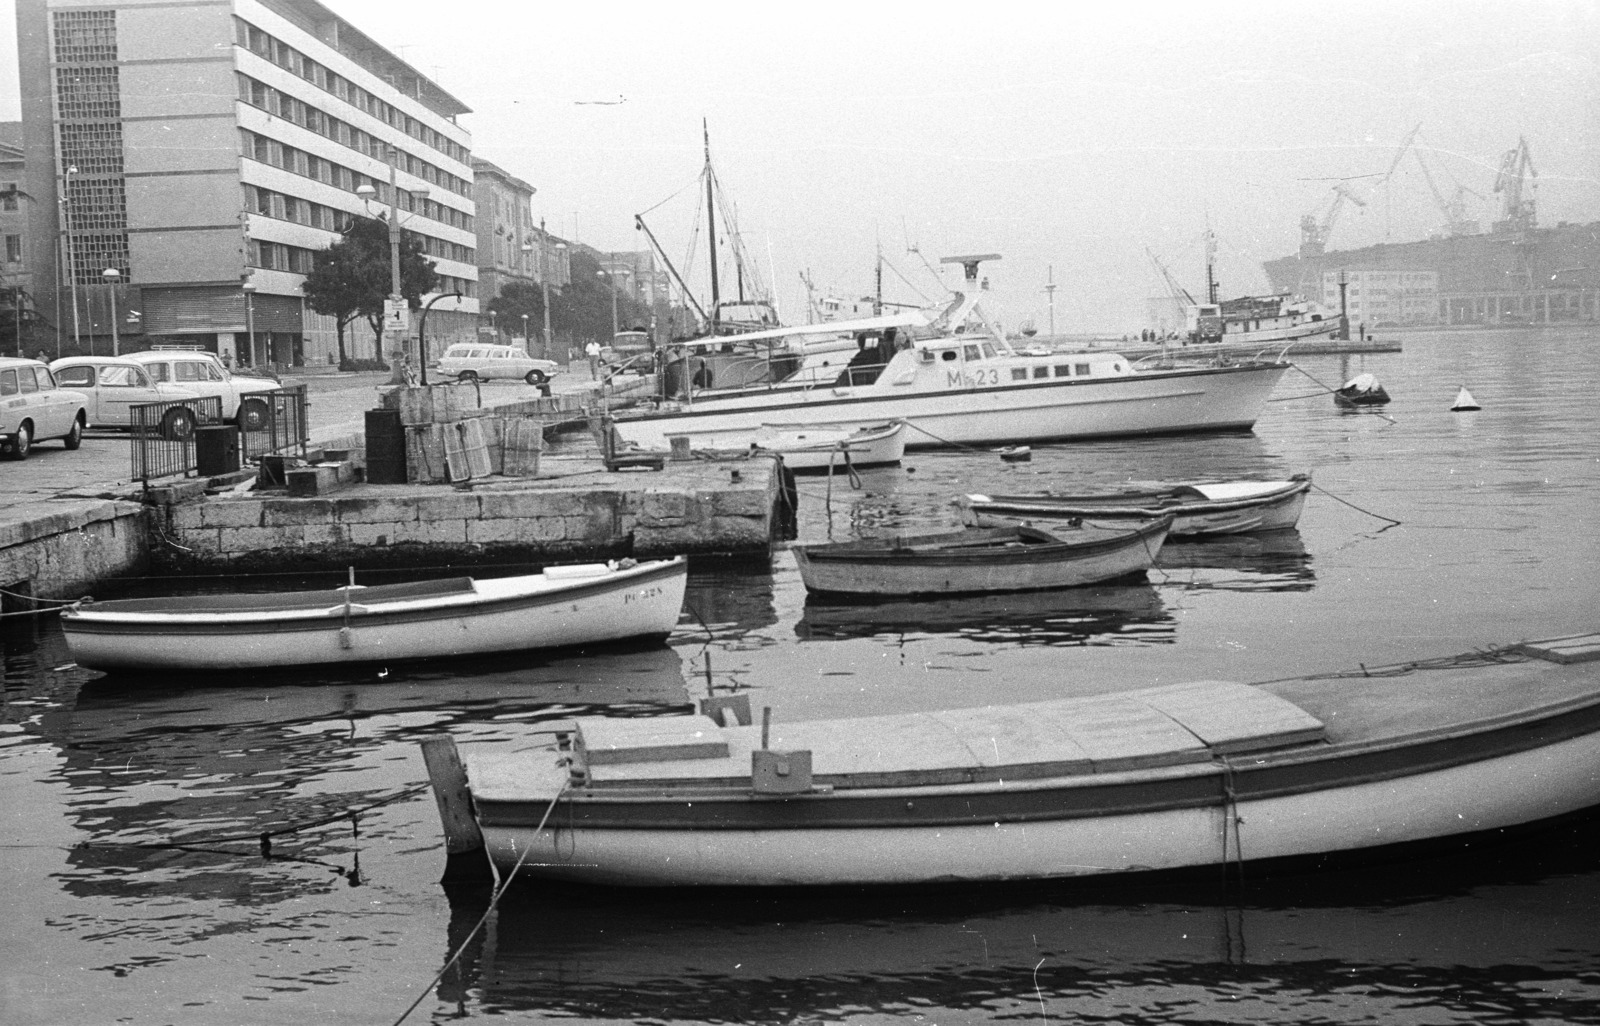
{"x": 204, "y": 151}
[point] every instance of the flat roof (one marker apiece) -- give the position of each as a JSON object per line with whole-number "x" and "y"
{"x": 361, "y": 48}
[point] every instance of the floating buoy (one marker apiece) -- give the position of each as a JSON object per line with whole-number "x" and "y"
{"x": 1016, "y": 454}
{"x": 1464, "y": 402}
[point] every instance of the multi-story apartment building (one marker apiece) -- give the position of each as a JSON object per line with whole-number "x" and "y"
{"x": 16, "y": 284}
{"x": 1384, "y": 297}
{"x": 204, "y": 151}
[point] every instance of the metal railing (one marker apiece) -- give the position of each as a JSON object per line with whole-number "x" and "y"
{"x": 164, "y": 433}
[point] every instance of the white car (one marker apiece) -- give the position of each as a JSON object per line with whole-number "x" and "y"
{"x": 32, "y": 407}
{"x": 204, "y": 374}
{"x": 474, "y": 361}
{"x": 116, "y": 384}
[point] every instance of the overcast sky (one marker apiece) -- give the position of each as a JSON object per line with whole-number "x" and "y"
{"x": 1069, "y": 138}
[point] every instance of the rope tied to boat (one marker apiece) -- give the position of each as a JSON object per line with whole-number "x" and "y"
{"x": 494, "y": 902}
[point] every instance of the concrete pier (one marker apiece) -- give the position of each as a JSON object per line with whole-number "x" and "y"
{"x": 577, "y": 513}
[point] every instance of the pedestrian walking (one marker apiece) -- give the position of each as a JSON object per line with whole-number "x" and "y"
{"x": 593, "y": 351}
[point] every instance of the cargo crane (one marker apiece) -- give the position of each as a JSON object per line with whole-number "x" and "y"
{"x": 1454, "y": 209}
{"x": 1314, "y": 232}
{"x": 1517, "y": 170}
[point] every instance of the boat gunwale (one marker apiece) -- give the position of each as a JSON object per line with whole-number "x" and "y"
{"x": 984, "y": 553}
{"x": 1046, "y": 505}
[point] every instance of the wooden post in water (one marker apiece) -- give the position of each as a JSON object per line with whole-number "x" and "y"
{"x": 465, "y": 857}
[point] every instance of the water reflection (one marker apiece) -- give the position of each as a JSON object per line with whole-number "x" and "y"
{"x": 1272, "y": 561}
{"x": 173, "y": 785}
{"x": 1300, "y": 948}
{"x": 1099, "y": 615}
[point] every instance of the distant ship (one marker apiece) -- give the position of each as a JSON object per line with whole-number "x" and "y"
{"x": 1515, "y": 274}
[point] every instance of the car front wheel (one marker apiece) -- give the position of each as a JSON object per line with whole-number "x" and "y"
{"x": 536, "y": 377}
{"x": 74, "y": 438}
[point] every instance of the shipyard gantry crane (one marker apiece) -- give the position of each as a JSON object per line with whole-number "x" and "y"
{"x": 1314, "y": 232}
{"x": 1454, "y": 209}
{"x": 1517, "y": 171}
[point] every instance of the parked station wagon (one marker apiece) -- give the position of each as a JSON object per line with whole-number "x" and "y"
{"x": 204, "y": 374}
{"x": 116, "y": 384}
{"x": 473, "y": 361}
{"x": 33, "y": 407}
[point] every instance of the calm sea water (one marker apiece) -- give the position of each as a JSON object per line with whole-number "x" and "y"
{"x": 135, "y": 889}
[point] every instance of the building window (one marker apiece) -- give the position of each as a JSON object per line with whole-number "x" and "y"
{"x": 85, "y": 36}
{"x": 8, "y": 195}
{"x": 13, "y": 249}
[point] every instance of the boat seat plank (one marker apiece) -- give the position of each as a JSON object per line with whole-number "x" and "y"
{"x": 604, "y": 741}
{"x": 1579, "y": 649}
{"x": 1232, "y": 718}
{"x": 536, "y": 776}
{"x": 1163, "y": 726}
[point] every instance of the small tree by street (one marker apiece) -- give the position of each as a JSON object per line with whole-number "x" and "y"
{"x": 350, "y": 279}
{"x": 519, "y": 299}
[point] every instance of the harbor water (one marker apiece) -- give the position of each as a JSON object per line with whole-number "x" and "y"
{"x": 262, "y": 848}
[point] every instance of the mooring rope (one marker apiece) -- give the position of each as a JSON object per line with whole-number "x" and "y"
{"x": 494, "y": 901}
{"x": 1498, "y": 655}
{"x": 1358, "y": 509}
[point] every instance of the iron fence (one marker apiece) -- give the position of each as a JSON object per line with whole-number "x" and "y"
{"x": 165, "y": 434}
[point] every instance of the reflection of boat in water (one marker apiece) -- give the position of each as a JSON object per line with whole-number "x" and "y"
{"x": 1107, "y": 614}
{"x": 1270, "y": 561}
{"x": 1468, "y": 930}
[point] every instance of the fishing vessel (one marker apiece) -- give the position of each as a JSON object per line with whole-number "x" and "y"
{"x": 958, "y": 381}
{"x": 1207, "y": 774}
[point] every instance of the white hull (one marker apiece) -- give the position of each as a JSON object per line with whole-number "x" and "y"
{"x": 1147, "y": 403}
{"x": 1487, "y": 795}
{"x": 811, "y": 446}
{"x": 500, "y": 615}
{"x": 1230, "y": 508}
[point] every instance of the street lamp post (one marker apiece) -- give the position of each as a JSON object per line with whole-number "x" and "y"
{"x": 111, "y": 274}
{"x": 525, "y": 332}
{"x": 422, "y": 336}
{"x": 72, "y": 269}
{"x": 249, "y": 289}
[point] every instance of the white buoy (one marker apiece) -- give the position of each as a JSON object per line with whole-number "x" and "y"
{"x": 1464, "y": 402}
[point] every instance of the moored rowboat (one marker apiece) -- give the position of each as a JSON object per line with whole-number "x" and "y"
{"x": 810, "y": 446}
{"x": 462, "y": 616}
{"x": 1230, "y": 507}
{"x": 1204, "y": 774}
{"x": 982, "y": 559}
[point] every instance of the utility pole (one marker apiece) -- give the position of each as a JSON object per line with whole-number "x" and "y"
{"x": 394, "y": 320}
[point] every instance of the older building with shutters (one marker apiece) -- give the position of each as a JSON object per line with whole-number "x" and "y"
{"x": 204, "y": 151}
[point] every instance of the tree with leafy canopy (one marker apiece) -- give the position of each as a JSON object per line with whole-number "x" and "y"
{"x": 350, "y": 279}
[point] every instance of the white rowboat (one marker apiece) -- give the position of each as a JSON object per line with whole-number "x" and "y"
{"x": 1228, "y": 507}
{"x": 1209, "y": 774}
{"x": 462, "y": 616}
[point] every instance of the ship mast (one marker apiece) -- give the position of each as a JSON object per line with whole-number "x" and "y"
{"x": 711, "y": 218}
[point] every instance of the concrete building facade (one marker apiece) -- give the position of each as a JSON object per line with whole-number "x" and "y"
{"x": 16, "y": 284}
{"x": 204, "y": 152}
{"x": 1383, "y": 298}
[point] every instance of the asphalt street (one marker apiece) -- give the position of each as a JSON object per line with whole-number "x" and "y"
{"x": 103, "y": 465}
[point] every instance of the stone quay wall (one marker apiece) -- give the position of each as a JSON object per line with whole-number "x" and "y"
{"x": 686, "y": 508}
{"x": 64, "y": 552}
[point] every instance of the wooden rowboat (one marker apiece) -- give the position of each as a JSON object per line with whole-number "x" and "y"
{"x": 461, "y": 616}
{"x": 981, "y": 560}
{"x": 1229, "y": 507}
{"x": 809, "y": 446}
{"x": 1180, "y": 777}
